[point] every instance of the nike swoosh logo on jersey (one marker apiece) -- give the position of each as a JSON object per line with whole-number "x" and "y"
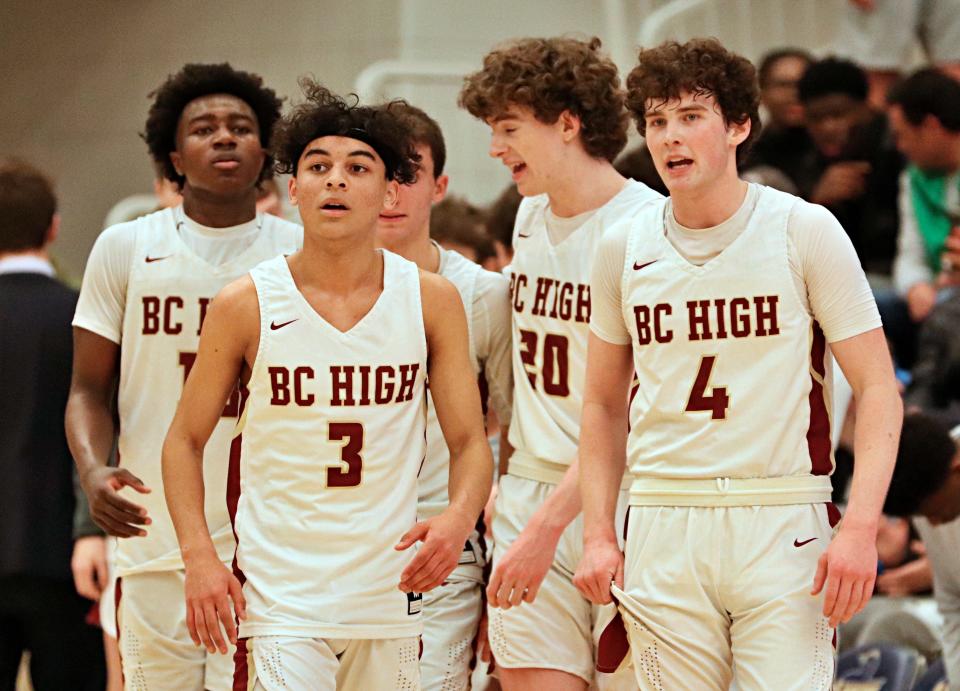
{"x": 637, "y": 267}
{"x": 149, "y": 260}
{"x": 798, "y": 543}
{"x": 521, "y": 235}
{"x": 274, "y": 326}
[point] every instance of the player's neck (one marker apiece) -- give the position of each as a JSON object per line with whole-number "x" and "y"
{"x": 591, "y": 184}
{"x": 711, "y": 205}
{"x": 216, "y": 211}
{"x": 337, "y": 266}
{"x": 419, "y": 249}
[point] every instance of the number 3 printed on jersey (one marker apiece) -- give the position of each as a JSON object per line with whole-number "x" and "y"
{"x": 554, "y": 361}
{"x": 350, "y": 471}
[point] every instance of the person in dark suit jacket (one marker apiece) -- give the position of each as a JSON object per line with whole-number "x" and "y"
{"x": 40, "y": 611}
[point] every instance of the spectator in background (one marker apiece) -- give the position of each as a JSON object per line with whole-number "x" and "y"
{"x": 500, "y": 220}
{"x": 855, "y": 166}
{"x": 926, "y": 485}
{"x": 882, "y": 35}
{"x": 40, "y": 611}
{"x": 783, "y": 143}
{"x": 637, "y": 164}
{"x": 456, "y": 224}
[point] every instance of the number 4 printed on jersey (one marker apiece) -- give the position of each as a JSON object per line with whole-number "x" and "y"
{"x": 717, "y": 401}
{"x": 554, "y": 359}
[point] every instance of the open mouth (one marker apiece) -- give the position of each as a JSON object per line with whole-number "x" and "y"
{"x": 334, "y": 206}
{"x": 679, "y": 163}
{"x": 517, "y": 168}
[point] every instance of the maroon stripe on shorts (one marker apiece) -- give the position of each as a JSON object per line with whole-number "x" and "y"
{"x": 241, "y": 667}
{"x": 117, "y": 593}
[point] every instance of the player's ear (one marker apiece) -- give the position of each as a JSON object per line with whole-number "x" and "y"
{"x": 440, "y": 189}
{"x": 292, "y": 189}
{"x": 175, "y": 161}
{"x": 569, "y": 126}
{"x": 738, "y": 132}
{"x": 392, "y": 194}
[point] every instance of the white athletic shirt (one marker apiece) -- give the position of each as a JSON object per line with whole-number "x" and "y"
{"x": 331, "y": 440}
{"x": 146, "y": 290}
{"x": 550, "y": 288}
{"x": 730, "y": 354}
{"x": 486, "y": 299}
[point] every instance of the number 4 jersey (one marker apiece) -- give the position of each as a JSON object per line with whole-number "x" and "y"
{"x": 550, "y": 291}
{"x": 332, "y": 438}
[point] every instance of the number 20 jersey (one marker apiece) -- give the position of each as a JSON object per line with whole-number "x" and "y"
{"x": 550, "y": 289}
{"x": 734, "y": 372}
{"x": 332, "y": 438}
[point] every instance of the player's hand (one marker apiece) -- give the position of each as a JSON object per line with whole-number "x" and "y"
{"x": 601, "y": 565}
{"x": 518, "y": 574}
{"x": 89, "y": 566}
{"x": 210, "y": 588}
{"x": 443, "y": 539}
{"x": 846, "y": 573}
{"x": 110, "y": 511}
{"x": 840, "y": 182}
{"x": 921, "y": 298}
{"x": 913, "y": 577}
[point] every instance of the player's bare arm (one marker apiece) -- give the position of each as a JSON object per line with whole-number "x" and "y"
{"x": 847, "y": 570}
{"x": 90, "y": 434}
{"x": 228, "y": 344}
{"x": 602, "y": 453}
{"x": 455, "y": 395}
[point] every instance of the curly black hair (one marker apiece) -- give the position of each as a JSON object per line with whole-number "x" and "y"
{"x": 701, "y": 66}
{"x": 549, "y": 76}
{"x": 194, "y": 81}
{"x": 833, "y": 76}
{"x": 324, "y": 114}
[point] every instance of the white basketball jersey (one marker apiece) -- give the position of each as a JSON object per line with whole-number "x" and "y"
{"x": 168, "y": 293}
{"x": 435, "y": 475}
{"x": 735, "y": 375}
{"x": 550, "y": 288}
{"x": 330, "y": 444}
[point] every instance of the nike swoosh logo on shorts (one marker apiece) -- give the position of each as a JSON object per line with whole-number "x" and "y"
{"x": 798, "y": 543}
{"x": 274, "y": 326}
{"x": 637, "y": 267}
{"x": 149, "y": 260}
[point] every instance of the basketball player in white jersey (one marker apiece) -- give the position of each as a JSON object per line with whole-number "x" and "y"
{"x": 147, "y": 288}
{"x": 333, "y": 345}
{"x": 555, "y": 109}
{"x": 726, "y": 296}
{"x": 451, "y": 612}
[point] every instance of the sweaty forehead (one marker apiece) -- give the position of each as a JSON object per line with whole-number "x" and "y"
{"x": 217, "y": 105}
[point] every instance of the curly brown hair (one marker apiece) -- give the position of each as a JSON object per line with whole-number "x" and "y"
{"x": 549, "y": 76}
{"x": 701, "y": 66}
{"x": 326, "y": 114}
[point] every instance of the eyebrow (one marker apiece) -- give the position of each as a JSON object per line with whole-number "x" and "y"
{"x": 502, "y": 118}
{"x": 324, "y": 152}
{"x": 211, "y": 116}
{"x": 683, "y": 109}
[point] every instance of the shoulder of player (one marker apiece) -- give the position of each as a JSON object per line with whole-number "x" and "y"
{"x": 125, "y": 235}
{"x": 438, "y": 295}
{"x": 283, "y": 227}
{"x": 809, "y": 218}
{"x": 236, "y": 302}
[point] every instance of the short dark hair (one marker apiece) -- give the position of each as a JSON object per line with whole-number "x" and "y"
{"x": 549, "y": 76}
{"x": 833, "y": 76}
{"x": 194, "y": 81}
{"x": 923, "y": 463}
{"x": 701, "y": 66}
{"x": 27, "y": 206}
{"x": 774, "y": 56}
{"x": 928, "y": 92}
{"x": 424, "y": 131}
{"x": 502, "y": 215}
{"x": 457, "y": 220}
{"x": 324, "y": 114}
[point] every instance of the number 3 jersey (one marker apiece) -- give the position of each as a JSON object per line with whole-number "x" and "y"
{"x": 733, "y": 366}
{"x": 331, "y": 440}
{"x": 147, "y": 289}
{"x": 550, "y": 290}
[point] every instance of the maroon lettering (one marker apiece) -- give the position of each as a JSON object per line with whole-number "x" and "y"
{"x": 739, "y": 317}
{"x": 169, "y": 326}
{"x": 383, "y": 384}
{"x": 659, "y": 312}
{"x": 341, "y": 383}
{"x": 717, "y": 402}
{"x": 766, "y": 315}
{"x": 555, "y": 365}
{"x": 151, "y": 315}
{"x": 300, "y": 376}
{"x": 528, "y": 355}
{"x": 698, "y": 313}
{"x": 352, "y": 476}
{"x": 279, "y": 385}
{"x": 583, "y": 303}
{"x": 204, "y": 303}
{"x": 718, "y": 305}
{"x": 541, "y": 296}
{"x": 364, "y": 384}
{"x": 566, "y": 301}
{"x": 408, "y": 377}
{"x": 641, "y": 315}
{"x": 517, "y": 281}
